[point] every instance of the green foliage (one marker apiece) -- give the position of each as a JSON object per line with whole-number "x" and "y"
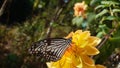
{"x": 102, "y": 13}
{"x": 108, "y": 18}
{"x": 94, "y": 2}
{"x": 77, "y": 21}
{"x": 109, "y": 47}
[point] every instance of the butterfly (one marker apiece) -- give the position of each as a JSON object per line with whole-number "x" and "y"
{"x": 51, "y": 49}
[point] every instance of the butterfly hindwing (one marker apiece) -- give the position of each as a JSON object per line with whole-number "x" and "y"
{"x": 50, "y": 49}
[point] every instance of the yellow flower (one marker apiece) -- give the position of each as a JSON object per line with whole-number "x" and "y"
{"x": 77, "y": 55}
{"x": 100, "y": 66}
{"x": 84, "y": 41}
{"x": 79, "y": 9}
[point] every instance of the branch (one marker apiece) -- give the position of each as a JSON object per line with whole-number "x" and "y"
{"x": 106, "y": 37}
{"x": 57, "y": 14}
{"x": 3, "y": 7}
{"x": 55, "y": 17}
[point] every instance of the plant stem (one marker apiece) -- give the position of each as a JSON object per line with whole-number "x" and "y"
{"x": 3, "y": 7}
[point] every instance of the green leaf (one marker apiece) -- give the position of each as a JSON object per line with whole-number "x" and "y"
{"x": 100, "y": 34}
{"x": 102, "y": 13}
{"x": 116, "y": 10}
{"x": 99, "y": 6}
{"x": 90, "y": 17}
{"x": 115, "y": 39}
{"x": 117, "y": 33}
{"x": 110, "y": 18}
{"x": 93, "y": 2}
{"x": 109, "y": 3}
{"x": 77, "y": 21}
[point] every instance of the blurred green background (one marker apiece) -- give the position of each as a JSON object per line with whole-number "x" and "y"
{"x": 23, "y": 22}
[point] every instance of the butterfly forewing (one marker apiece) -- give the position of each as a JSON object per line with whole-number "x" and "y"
{"x": 51, "y": 49}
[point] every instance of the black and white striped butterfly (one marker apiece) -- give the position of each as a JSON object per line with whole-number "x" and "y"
{"x": 51, "y": 49}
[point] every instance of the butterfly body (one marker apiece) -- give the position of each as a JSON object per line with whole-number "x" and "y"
{"x": 51, "y": 49}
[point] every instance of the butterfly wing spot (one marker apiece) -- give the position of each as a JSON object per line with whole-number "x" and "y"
{"x": 50, "y": 49}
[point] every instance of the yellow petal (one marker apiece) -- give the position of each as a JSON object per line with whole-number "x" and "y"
{"x": 87, "y": 66}
{"x": 100, "y": 66}
{"x": 79, "y": 66}
{"x": 87, "y": 60}
{"x": 80, "y": 38}
{"x": 69, "y": 35}
{"x": 78, "y": 32}
{"x": 94, "y": 41}
{"x": 82, "y": 35}
{"x": 85, "y": 35}
{"x": 90, "y": 50}
{"x": 62, "y": 63}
